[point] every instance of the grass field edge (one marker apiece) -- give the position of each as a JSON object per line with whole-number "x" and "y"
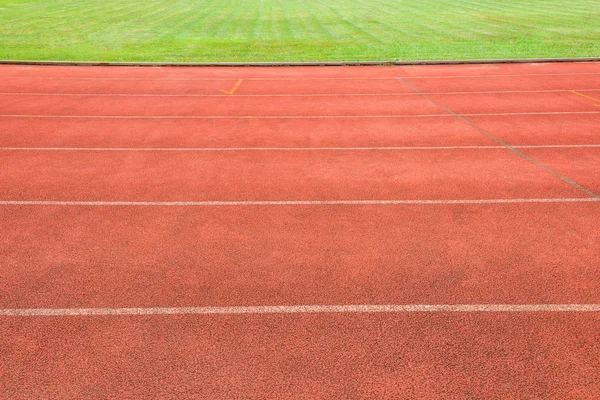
{"x": 299, "y": 64}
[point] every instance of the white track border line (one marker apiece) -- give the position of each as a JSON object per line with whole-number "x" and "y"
{"x": 218, "y": 149}
{"x": 314, "y": 309}
{"x": 291, "y": 202}
{"x": 233, "y": 78}
{"x": 285, "y": 94}
{"x": 292, "y": 116}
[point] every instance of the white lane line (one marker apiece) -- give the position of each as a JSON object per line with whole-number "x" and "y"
{"x": 284, "y": 94}
{"x": 498, "y": 76}
{"x": 316, "y": 309}
{"x": 192, "y": 149}
{"x": 218, "y": 95}
{"x": 244, "y": 148}
{"x": 555, "y": 146}
{"x": 228, "y": 116}
{"x": 350, "y": 78}
{"x": 532, "y": 113}
{"x": 293, "y": 116}
{"x": 289, "y": 202}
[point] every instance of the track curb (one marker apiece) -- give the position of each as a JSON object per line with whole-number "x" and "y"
{"x": 297, "y": 64}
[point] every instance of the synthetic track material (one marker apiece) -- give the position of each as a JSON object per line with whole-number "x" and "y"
{"x": 319, "y": 233}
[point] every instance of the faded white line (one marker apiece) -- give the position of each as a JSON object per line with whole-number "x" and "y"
{"x": 498, "y": 76}
{"x": 556, "y": 146}
{"x": 314, "y": 309}
{"x": 290, "y": 202}
{"x": 199, "y": 149}
{"x": 292, "y": 116}
{"x": 213, "y": 95}
{"x": 283, "y": 94}
{"x": 349, "y": 78}
{"x": 224, "y": 116}
{"x": 243, "y": 148}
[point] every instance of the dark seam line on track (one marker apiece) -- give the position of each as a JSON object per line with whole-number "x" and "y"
{"x": 501, "y": 142}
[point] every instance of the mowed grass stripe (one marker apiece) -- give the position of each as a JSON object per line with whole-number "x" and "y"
{"x": 291, "y": 30}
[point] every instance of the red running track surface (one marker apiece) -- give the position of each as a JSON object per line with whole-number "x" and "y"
{"x": 495, "y": 175}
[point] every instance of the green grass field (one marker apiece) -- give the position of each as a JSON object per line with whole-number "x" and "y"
{"x": 296, "y": 30}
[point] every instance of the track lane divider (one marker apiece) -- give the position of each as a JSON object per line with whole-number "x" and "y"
{"x": 286, "y": 94}
{"x": 291, "y": 202}
{"x": 399, "y": 148}
{"x": 292, "y": 116}
{"x": 301, "y": 309}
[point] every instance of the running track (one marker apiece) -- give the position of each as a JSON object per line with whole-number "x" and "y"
{"x": 322, "y": 232}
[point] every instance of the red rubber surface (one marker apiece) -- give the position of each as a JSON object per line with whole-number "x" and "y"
{"x": 586, "y": 170}
{"x": 551, "y": 69}
{"x": 532, "y": 102}
{"x": 339, "y": 132}
{"x": 266, "y": 255}
{"x": 224, "y": 106}
{"x": 275, "y": 175}
{"x": 160, "y": 256}
{"x": 234, "y": 73}
{"x": 506, "y": 83}
{"x": 538, "y": 356}
{"x": 532, "y": 130}
{"x": 209, "y": 87}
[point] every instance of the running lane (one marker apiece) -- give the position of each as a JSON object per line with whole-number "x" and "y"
{"x": 207, "y": 87}
{"x": 521, "y": 84}
{"x": 538, "y": 130}
{"x": 478, "y": 71}
{"x": 582, "y": 164}
{"x": 522, "y": 233}
{"x": 421, "y": 356}
{"x": 273, "y": 175}
{"x": 221, "y": 107}
{"x": 239, "y": 132}
{"x": 510, "y": 102}
{"x": 289, "y": 254}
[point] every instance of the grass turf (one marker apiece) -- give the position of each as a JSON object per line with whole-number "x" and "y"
{"x": 296, "y": 30}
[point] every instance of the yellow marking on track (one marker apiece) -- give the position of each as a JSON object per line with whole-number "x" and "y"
{"x": 234, "y": 88}
{"x": 587, "y": 97}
